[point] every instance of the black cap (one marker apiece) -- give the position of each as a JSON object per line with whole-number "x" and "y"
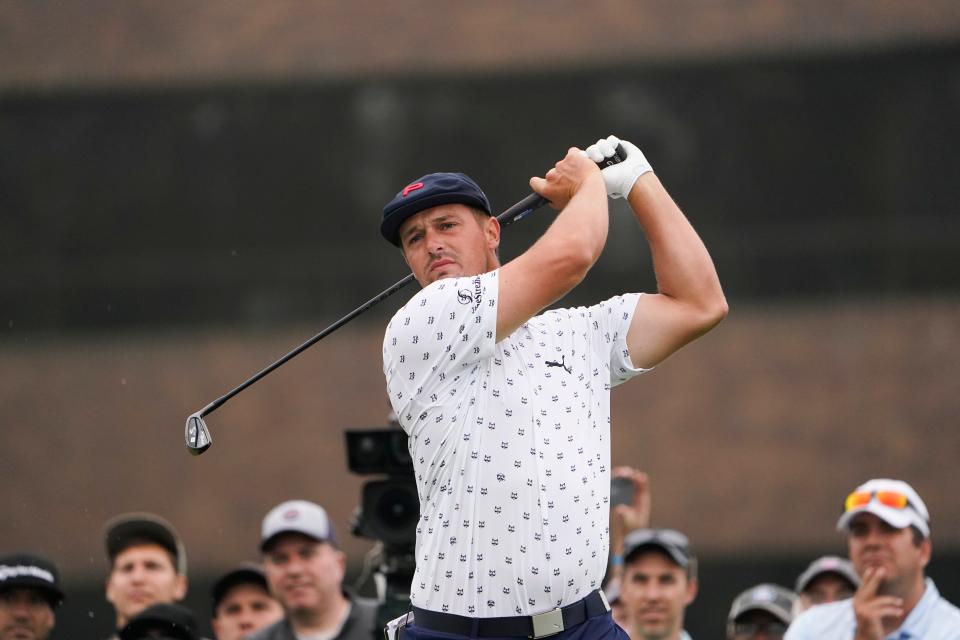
{"x": 123, "y": 530}
{"x": 428, "y": 191}
{"x": 247, "y": 573}
{"x": 172, "y": 620}
{"x": 30, "y": 571}
{"x": 675, "y": 544}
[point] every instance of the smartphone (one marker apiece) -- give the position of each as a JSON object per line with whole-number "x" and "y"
{"x": 621, "y": 491}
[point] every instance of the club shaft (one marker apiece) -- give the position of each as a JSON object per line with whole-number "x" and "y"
{"x": 518, "y": 211}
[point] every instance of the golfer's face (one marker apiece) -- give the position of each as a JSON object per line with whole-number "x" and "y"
{"x": 448, "y": 241}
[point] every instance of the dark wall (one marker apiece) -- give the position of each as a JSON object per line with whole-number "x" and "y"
{"x": 242, "y": 205}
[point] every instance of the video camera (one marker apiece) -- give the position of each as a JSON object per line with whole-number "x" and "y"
{"x": 389, "y": 507}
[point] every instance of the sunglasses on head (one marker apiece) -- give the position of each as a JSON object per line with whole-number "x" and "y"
{"x": 892, "y": 499}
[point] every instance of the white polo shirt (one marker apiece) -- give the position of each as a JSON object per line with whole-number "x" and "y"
{"x": 932, "y": 618}
{"x": 511, "y": 445}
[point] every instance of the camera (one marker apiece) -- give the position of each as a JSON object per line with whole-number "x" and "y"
{"x": 388, "y": 512}
{"x": 390, "y": 506}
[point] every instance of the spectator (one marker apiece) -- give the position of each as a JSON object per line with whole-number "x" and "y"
{"x": 630, "y": 505}
{"x": 162, "y": 622}
{"x": 148, "y": 564}
{"x": 888, "y": 540}
{"x": 242, "y": 603}
{"x": 659, "y": 583}
{"x": 29, "y": 595}
{"x": 762, "y": 612}
{"x": 827, "y": 579}
{"x": 305, "y": 570}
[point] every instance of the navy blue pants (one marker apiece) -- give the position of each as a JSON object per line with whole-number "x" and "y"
{"x": 595, "y": 628}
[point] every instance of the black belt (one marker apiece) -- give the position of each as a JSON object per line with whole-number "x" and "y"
{"x": 536, "y": 626}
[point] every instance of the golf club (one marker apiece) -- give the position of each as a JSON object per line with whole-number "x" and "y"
{"x": 197, "y": 434}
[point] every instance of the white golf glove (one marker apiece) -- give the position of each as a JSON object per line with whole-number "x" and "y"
{"x": 619, "y": 178}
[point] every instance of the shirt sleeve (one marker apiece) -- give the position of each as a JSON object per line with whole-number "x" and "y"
{"x": 447, "y": 327}
{"x": 611, "y": 323}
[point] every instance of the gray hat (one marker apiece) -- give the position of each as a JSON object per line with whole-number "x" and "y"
{"x": 675, "y": 544}
{"x": 122, "y": 531}
{"x": 827, "y": 564}
{"x": 771, "y": 598}
{"x": 297, "y": 516}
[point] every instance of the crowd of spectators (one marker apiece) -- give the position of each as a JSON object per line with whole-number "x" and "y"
{"x": 296, "y": 590}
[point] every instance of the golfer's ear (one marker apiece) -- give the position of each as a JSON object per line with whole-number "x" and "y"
{"x": 492, "y": 231}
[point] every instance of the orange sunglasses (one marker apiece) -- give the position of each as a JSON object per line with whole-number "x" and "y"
{"x": 892, "y": 499}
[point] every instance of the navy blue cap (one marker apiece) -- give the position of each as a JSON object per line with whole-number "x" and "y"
{"x": 428, "y": 191}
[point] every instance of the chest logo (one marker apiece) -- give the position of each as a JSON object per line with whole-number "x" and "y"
{"x": 562, "y": 364}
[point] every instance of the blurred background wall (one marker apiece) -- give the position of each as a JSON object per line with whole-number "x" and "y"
{"x": 189, "y": 190}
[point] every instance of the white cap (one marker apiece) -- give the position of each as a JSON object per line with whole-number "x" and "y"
{"x": 914, "y": 514}
{"x": 297, "y": 516}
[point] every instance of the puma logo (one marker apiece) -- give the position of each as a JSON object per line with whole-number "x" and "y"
{"x": 562, "y": 364}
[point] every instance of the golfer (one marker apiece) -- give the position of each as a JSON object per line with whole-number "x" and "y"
{"x": 508, "y": 412}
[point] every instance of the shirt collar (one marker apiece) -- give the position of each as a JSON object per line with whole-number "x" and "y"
{"x": 915, "y": 626}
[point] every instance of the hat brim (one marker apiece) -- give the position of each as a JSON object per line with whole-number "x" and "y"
{"x": 122, "y": 530}
{"x": 675, "y": 554}
{"x": 896, "y": 518}
{"x": 390, "y": 227}
{"x": 50, "y": 593}
{"x": 779, "y": 613}
{"x": 243, "y": 575}
{"x": 267, "y": 542}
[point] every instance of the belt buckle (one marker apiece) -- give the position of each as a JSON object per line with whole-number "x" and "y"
{"x": 547, "y": 623}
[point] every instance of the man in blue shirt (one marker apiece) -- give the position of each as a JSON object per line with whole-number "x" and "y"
{"x": 888, "y": 539}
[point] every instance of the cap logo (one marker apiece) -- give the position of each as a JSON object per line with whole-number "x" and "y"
{"x": 764, "y": 594}
{"x": 292, "y": 514}
{"x": 7, "y": 572}
{"x": 412, "y": 187}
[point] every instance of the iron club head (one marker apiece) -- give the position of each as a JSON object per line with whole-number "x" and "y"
{"x": 197, "y": 435}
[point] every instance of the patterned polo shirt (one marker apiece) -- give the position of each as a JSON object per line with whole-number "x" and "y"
{"x": 511, "y": 445}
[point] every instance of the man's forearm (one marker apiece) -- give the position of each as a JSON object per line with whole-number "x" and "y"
{"x": 683, "y": 267}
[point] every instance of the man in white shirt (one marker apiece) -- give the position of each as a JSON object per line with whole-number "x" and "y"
{"x": 888, "y": 538}
{"x": 507, "y": 412}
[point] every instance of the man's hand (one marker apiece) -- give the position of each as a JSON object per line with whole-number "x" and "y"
{"x": 566, "y": 177}
{"x": 625, "y": 518}
{"x": 870, "y": 608}
{"x": 619, "y": 178}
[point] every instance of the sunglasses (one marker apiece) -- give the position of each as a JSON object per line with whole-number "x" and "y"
{"x": 892, "y": 499}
